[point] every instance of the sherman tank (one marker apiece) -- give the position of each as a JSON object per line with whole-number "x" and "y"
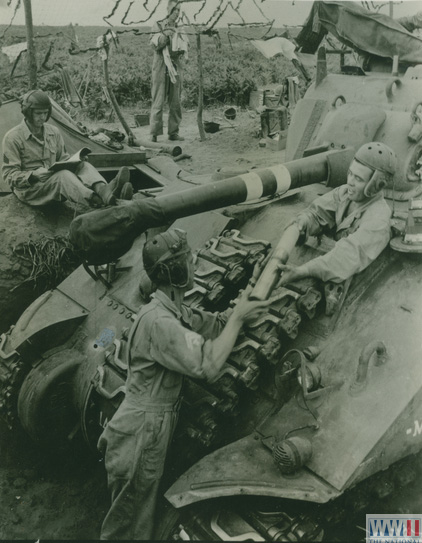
{"x": 318, "y": 410}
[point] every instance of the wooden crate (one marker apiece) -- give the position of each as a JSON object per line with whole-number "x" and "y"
{"x": 117, "y": 160}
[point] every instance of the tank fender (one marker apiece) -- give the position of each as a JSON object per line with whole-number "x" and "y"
{"x": 243, "y": 468}
{"x": 51, "y": 308}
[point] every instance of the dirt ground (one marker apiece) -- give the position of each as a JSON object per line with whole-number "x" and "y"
{"x": 235, "y": 145}
{"x": 46, "y": 496}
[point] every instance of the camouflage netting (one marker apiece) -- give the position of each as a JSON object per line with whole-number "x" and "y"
{"x": 35, "y": 254}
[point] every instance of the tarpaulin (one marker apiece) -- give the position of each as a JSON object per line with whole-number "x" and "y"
{"x": 104, "y": 235}
{"x": 13, "y": 51}
{"x": 365, "y": 31}
{"x": 275, "y": 46}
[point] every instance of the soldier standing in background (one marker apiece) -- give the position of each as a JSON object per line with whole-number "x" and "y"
{"x": 170, "y": 46}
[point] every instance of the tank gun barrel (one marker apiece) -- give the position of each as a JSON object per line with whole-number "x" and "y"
{"x": 242, "y": 188}
{"x": 106, "y": 234}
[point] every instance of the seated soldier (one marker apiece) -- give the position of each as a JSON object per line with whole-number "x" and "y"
{"x": 30, "y": 148}
{"x": 358, "y": 213}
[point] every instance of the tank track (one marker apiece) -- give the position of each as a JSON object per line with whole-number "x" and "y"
{"x": 244, "y": 522}
{"x": 12, "y": 373}
{"x": 261, "y": 519}
{"x": 224, "y": 267}
{"x": 210, "y": 411}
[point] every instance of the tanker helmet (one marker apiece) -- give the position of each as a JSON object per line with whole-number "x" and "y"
{"x": 377, "y": 156}
{"x": 165, "y": 258}
{"x": 382, "y": 160}
{"x": 35, "y": 99}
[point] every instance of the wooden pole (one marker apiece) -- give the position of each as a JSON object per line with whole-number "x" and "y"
{"x": 32, "y": 59}
{"x": 391, "y": 9}
{"x": 130, "y": 134}
{"x": 200, "y": 89}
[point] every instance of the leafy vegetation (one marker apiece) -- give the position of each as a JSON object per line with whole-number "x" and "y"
{"x": 231, "y": 70}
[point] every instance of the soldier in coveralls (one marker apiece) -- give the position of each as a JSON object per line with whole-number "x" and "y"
{"x": 167, "y": 341}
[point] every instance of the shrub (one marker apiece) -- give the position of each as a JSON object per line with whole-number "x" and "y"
{"x": 230, "y": 73}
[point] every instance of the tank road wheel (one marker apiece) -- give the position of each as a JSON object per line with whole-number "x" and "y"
{"x": 45, "y": 404}
{"x": 12, "y": 373}
{"x": 88, "y": 409}
{"x": 99, "y": 390}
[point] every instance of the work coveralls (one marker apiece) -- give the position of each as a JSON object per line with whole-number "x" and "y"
{"x": 361, "y": 235}
{"x": 164, "y": 345}
{"x": 162, "y": 89}
{"x": 23, "y": 154}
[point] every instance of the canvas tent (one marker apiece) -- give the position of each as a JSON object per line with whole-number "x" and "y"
{"x": 10, "y": 116}
{"x": 362, "y": 30}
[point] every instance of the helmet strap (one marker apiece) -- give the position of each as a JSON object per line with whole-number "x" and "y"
{"x": 376, "y": 183}
{"x": 171, "y": 279}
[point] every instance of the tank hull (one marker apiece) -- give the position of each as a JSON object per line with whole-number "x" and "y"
{"x": 365, "y": 412}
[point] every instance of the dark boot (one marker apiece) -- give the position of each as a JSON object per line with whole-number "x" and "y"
{"x": 111, "y": 191}
{"x": 126, "y": 192}
{"x": 95, "y": 201}
{"x": 176, "y": 137}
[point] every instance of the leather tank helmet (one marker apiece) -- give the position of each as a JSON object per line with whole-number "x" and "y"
{"x": 382, "y": 160}
{"x": 165, "y": 258}
{"x": 35, "y": 99}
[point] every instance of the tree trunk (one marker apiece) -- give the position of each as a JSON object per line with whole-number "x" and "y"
{"x": 200, "y": 89}
{"x": 32, "y": 59}
{"x": 114, "y": 103}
